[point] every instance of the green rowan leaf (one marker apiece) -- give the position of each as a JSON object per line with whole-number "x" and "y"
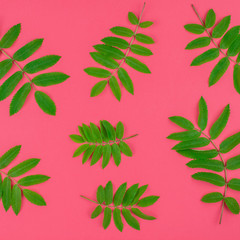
{"x": 233, "y": 163}
{"x": 147, "y": 201}
{"x": 137, "y": 65}
{"x": 95, "y": 133}
{"x": 100, "y": 194}
{"x": 104, "y": 60}
{"x": 119, "y": 195}
{"x": 77, "y": 138}
{"x": 5, "y": 67}
{"x": 236, "y": 77}
{"x": 234, "y": 48}
{"x": 185, "y": 136}
{"x": 109, "y": 193}
{"x": 6, "y": 193}
{"x": 107, "y": 217}
{"x": 144, "y": 38}
{"x": 116, "y": 153}
{"x": 34, "y": 197}
{"x": 198, "y": 154}
{"x": 234, "y": 184}
{"x": 125, "y": 149}
{"x": 132, "y": 18}
{"x": 125, "y": 80}
{"x": 109, "y": 51}
{"x": 16, "y": 199}
{"x": 97, "y": 211}
{"x": 113, "y": 83}
{"x": 45, "y": 103}
{"x": 221, "y": 27}
{"x": 115, "y": 42}
{"x": 214, "y": 165}
{"x": 122, "y": 31}
{"x": 81, "y": 149}
{"x": 194, "y": 28}
{"x": 117, "y": 219}
{"x": 119, "y": 130}
{"x": 229, "y": 37}
{"x": 140, "y": 214}
{"x": 49, "y": 79}
{"x": 194, "y": 143}
{"x": 106, "y": 155}
{"x": 10, "y": 37}
{"x": 203, "y": 114}
{"x": 98, "y": 88}
{"x": 232, "y": 205}
{"x": 212, "y": 197}
{"x": 97, "y": 154}
{"x": 210, "y": 19}
{"x": 129, "y": 195}
{"x": 205, "y": 57}
{"x": 229, "y": 143}
{"x": 140, "y": 50}
{"x": 145, "y": 24}
{"x": 97, "y": 72}
{"x": 33, "y": 180}
{"x": 9, "y": 156}
{"x": 198, "y": 43}
{"x": 131, "y": 221}
{"x": 212, "y": 178}
{"x": 182, "y": 122}
{"x": 88, "y": 153}
{"x": 141, "y": 190}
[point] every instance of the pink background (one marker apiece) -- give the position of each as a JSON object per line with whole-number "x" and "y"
{"x": 70, "y": 29}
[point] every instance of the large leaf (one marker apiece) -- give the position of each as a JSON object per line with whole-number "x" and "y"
{"x": 141, "y": 190}
{"x": 116, "y": 42}
{"x": 10, "y": 37}
{"x": 97, "y": 72}
{"x": 221, "y": 27}
{"x": 229, "y": 37}
{"x": 80, "y": 150}
{"x": 203, "y": 114}
{"x": 212, "y": 197}
{"x": 234, "y": 184}
{"x": 41, "y": 64}
{"x": 182, "y": 122}
{"x": 16, "y": 199}
{"x": 205, "y": 57}
{"x": 9, "y": 156}
{"x": 98, "y": 88}
{"x": 198, "y": 43}
{"x": 116, "y": 154}
{"x": 232, "y": 205}
{"x": 19, "y": 98}
{"x": 117, "y": 219}
{"x": 214, "y": 165}
{"x": 129, "y": 195}
{"x": 27, "y": 50}
{"x": 132, "y": 18}
{"x": 96, "y": 155}
{"x": 140, "y": 50}
{"x": 109, "y": 51}
{"x": 23, "y": 167}
{"x": 220, "y": 123}
{"x": 125, "y": 149}
{"x": 48, "y": 79}
{"x": 144, "y": 38}
{"x": 118, "y": 198}
{"x": 194, "y": 28}
{"x": 97, "y": 211}
{"x": 210, "y": 19}
{"x": 125, "y": 80}
{"x": 229, "y": 143}
{"x": 106, "y": 155}
{"x": 104, "y": 60}
{"x": 122, "y": 31}
{"x": 109, "y": 193}
{"x": 131, "y": 221}
{"x": 33, "y": 180}
{"x": 233, "y": 163}
{"x": 34, "y": 197}
{"x": 140, "y": 214}
{"x": 212, "y": 178}
{"x": 113, "y": 83}
{"x": 100, "y": 194}
{"x": 234, "y": 48}
{"x": 10, "y": 84}
{"x": 236, "y": 77}
{"x": 5, "y": 66}
{"x": 45, "y": 103}
{"x": 184, "y": 136}
{"x": 137, "y": 65}
{"x": 119, "y": 130}
{"x": 219, "y": 70}
{"x": 194, "y": 143}
{"x": 147, "y": 201}
{"x": 107, "y": 217}
{"x": 198, "y": 154}
{"x": 6, "y": 193}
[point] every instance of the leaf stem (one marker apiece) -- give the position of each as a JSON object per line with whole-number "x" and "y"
{"x": 20, "y": 68}
{"x": 12, "y": 179}
{"x": 210, "y": 36}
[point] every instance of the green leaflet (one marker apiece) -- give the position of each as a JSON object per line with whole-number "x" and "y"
{"x": 184, "y": 136}
{"x": 10, "y": 37}
{"x": 106, "y": 155}
{"x": 229, "y": 37}
{"x": 220, "y": 123}
{"x": 205, "y": 57}
{"x": 129, "y": 195}
{"x": 140, "y": 50}
{"x": 118, "y": 198}
{"x": 147, "y": 201}
{"x": 125, "y": 149}
{"x": 88, "y": 133}
{"x": 104, "y": 60}
{"x": 9, "y": 156}
{"x": 5, "y": 66}
{"x": 109, "y": 193}
{"x": 229, "y": 143}
{"x": 140, "y": 214}
{"x": 16, "y": 199}
{"x": 234, "y": 184}
{"x": 198, "y": 154}
{"x": 236, "y": 77}
{"x": 132, "y": 18}
{"x": 103, "y": 132}
{"x": 34, "y": 197}
{"x": 110, "y": 51}
{"x": 234, "y": 48}
{"x": 233, "y": 163}
{"x": 80, "y": 150}
{"x": 23, "y": 167}
{"x": 6, "y": 193}
{"x": 97, "y": 211}
{"x": 199, "y": 43}
{"x": 119, "y": 130}
{"x": 88, "y": 153}
{"x": 113, "y": 83}
{"x": 145, "y": 24}
{"x": 9, "y": 85}
{"x": 97, "y": 72}
{"x": 194, "y": 143}
{"x": 131, "y": 221}
{"x": 49, "y": 79}
{"x": 97, "y": 154}
{"x": 110, "y": 130}
{"x": 33, "y": 180}
{"x": 27, "y": 50}
{"x": 122, "y": 31}
{"x": 19, "y": 98}
{"x": 116, "y": 154}
{"x": 214, "y": 165}
{"x": 100, "y": 194}
{"x": 95, "y": 133}
{"x": 221, "y": 27}
{"x": 41, "y": 64}
{"x": 137, "y": 65}
{"x": 182, "y": 122}
{"x": 232, "y": 205}
{"x": 125, "y": 80}
{"x": 117, "y": 219}
{"x": 76, "y": 138}
{"x": 212, "y": 197}
{"x": 144, "y": 38}
{"x": 45, "y": 103}
{"x": 107, "y": 217}
{"x": 141, "y": 190}
{"x": 115, "y": 42}
{"x": 203, "y": 114}
{"x": 212, "y": 178}
{"x": 194, "y": 28}
{"x": 210, "y": 19}
{"x": 98, "y": 88}
{"x": 219, "y": 70}
{"x": 0, "y": 186}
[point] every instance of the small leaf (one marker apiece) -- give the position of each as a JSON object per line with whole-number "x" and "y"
{"x": 203, "y": 114}
{"x": 182, "y": 122}
{"x": 198, "y": 154}
{"x": 109, "y": 193}
{"x": 234, "y": 184}
{"x": 212, "y": 197}
{"x": 220, "y": 123}
{"x": 233, "y": 163}
{"x": 9, "y": 85}
{"x": 88, "y": 153}
{"x": 221, "y": 27}
{"x": 80, "y": 129}
{"x": 232, "y": 205}
{"x": 144, "y": 38}
{"x": 49, "y": 79}
{"x": 115, "y": 88}
{"x": 234, "y": 48}
{"x": 132, "y": 18}
{"x": 140, "y": 214}
{"x": 45, "y": 103}
{"x": 214, "y": 165}
{"x": 139, "y": 193}
{"x": 103, "y": 132}
{"x": 34, "y": 197}
{"x": 106, "y": 155}
{"x": 107, "y": 217}
{"x": 117, "y": 219}
{"x": 80, "y": 150}
{"x": 41, "y": 64}
{"x": 205, "y": 57}
{"x": 119, "y": 130}
{"x": 219, "y": 70}
{"x": 116, "y": 42}
{"x": 125, "y": 149}
{"x": 10, "y": 37}
{"x": 122, "y": 31}
{"x": 137, "y": 65}
{"x": 194, "y": 143}
{"x": 210, "y": 19}
{"x": 116, "y": 154}
{"x": 33, "y": 180}
{"x": 129, "y": 195}
{"x": 16, "y": 199}
{"x": 97, "y": 72}
{"x": 145, "y": 24}
{"x": 100, "y": 194}
{"x": 184, "y": 136}
{"x": 229, "y": 37}
{"x": 147, "y": 201}
{"x": 229, "y": 143}
{"x": 131, "y": 221}
{"x": 236, "y": 77}
{"x": 23, "y": 167}
{"x": 111, "y": 133}
{"x": 194, "y": 28}
{"x": 97, "y": 211}
{"x": 19, "y": 98}
{"x": 27, "y": 50}
{"x": 5, "y": 67}
{"x": 9, "y": 156}
{"x": 198, "y": 43}
{"x": 6, "y": 193}
{"x": 125, "y": 80}
{"x": 96, "y": 133}
{"x": 109, "y": 51}
{"x": 140, "y": 50}
{"x": 212, "y": 178}
{"x": 104, "y": 60}
{"x": 96, "y": 155}
{"x": 98, "y": 88}
{"x": 77, "y": 138}
{"x": 118, "y": 198}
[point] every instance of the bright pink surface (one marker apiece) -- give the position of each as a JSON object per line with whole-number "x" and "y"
{"x": 70, "y": 29}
